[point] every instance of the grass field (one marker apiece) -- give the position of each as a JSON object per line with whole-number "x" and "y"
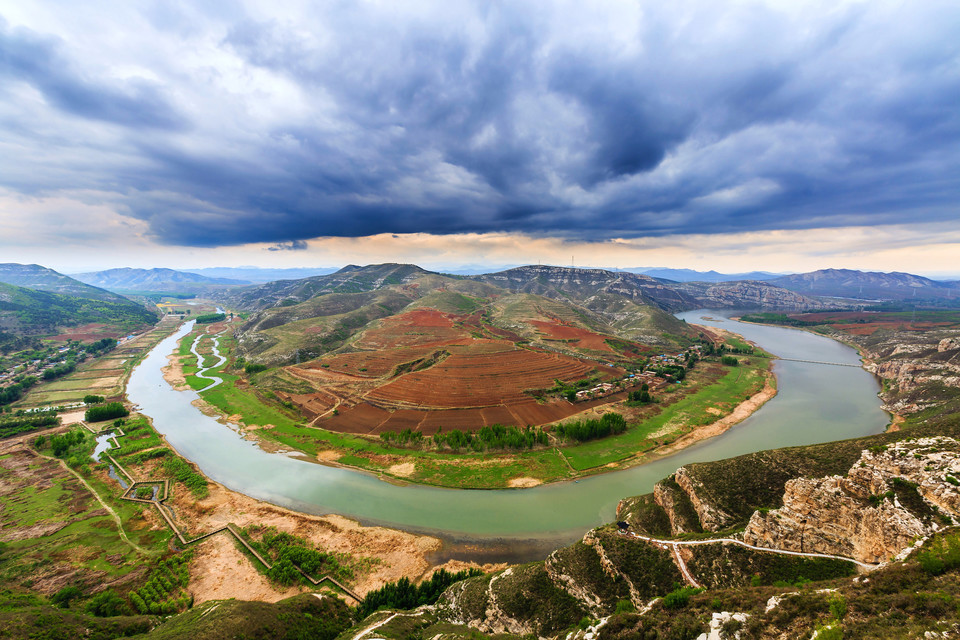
{"x": 227, "y": 397}
{"x": 723, "y": 395}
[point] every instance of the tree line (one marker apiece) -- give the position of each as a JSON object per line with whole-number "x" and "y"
{"x": 609, "y": 424}
{"x": 403, "y": 594}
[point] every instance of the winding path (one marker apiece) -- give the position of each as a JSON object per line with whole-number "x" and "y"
{"x": 678, "y": 543}
{"x": 116, "y": 518}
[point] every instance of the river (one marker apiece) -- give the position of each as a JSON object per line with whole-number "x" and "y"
{"x": 815, "y": 403}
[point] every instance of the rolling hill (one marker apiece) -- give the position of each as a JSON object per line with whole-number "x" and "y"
{"x": 34, "y": 276}
{"x": 350, "y": 279}
{"x": 28, "y": 312}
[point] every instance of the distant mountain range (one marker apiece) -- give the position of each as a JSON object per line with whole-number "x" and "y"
{"x": 33, "y": 276}
{"x": 256, "y": 274}
{"x": 128, "y": 279}
{"x": 867, "y": 285}
{"x": 689, "y": 275}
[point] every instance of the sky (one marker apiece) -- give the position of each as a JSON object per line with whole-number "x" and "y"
{"x": 739, "y": 135}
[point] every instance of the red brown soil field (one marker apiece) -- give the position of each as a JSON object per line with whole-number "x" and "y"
{"x": 585, "y": 339}
{"x": 88, "y": 333}
{"x": 476, "y": 382}
{"x": 480, "y": 380}
{"x": 426, "y": 327}
{"x": 377, "y": 363}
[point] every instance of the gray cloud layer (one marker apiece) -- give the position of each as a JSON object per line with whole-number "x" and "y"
{"x": 239, "y": 124}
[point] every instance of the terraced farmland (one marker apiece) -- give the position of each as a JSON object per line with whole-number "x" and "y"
{"x": 466, "y": 380}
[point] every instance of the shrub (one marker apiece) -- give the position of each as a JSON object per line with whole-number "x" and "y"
{"x": 107, "y": 604}
{"x": 92, "y": 399}
{"x": 209, "y": 318}
{"x": 185, "y": 474}
{"x": 63, "y": 597}
{"x": 625, "y": 606}
{"x": 679, "y": 598}
{"x": 61, "y": 444}
{"x": 940, "y": 555}
{"x": 608, "y": 424}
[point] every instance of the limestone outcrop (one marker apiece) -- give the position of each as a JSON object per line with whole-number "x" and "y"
{"x": 889, "y": 498}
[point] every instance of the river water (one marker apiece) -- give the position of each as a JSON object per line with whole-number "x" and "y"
{"x": 815, "y": 403}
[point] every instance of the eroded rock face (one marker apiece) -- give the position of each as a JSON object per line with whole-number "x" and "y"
{"x": 914, "y": 365}
{"x": 754, "y": 294}
{"x": 711, "y": 518}
{"x": 669, "y": 497}
{"x": 860, "y": 515}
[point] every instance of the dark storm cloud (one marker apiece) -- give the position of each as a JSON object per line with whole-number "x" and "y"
{"x": 613, "y": 122}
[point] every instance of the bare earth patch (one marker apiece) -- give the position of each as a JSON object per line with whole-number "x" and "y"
{"x": 72, "y": 417}
{"x": 403, "y": 470}
{"x": 714, "y": 411}
{"x": 219, "y": 571}
{"x": 328, "y": 455}
{"x": 173, "y": 373}
{"x": 523, "y": 482}
{"x": 398, "y": 554}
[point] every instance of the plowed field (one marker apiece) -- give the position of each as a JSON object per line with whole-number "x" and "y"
{"x": 420, "y": 327}
{"x": 581, "y": 338}
{"x": 480, "y": 380}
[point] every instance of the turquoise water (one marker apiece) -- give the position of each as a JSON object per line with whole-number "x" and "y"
{"x": 815, "y": 403}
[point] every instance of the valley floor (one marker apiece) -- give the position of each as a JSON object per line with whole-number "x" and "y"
{"x": 711, "y": 400}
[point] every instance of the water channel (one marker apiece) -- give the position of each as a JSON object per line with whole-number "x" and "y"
{"x": 815, "y": 403}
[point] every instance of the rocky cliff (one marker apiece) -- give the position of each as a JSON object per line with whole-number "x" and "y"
{"x": 921, "y": 369}
{"x": 890, "y": 497}
{"x": 748, "y": 294}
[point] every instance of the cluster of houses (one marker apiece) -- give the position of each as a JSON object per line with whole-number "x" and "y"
{"x": 38, "y": 365}
{"x": 648, "y": 375}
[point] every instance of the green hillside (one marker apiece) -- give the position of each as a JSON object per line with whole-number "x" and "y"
{"x": 27, "y": 312}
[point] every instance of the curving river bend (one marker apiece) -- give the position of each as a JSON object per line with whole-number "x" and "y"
{"x": 815, "y": 403}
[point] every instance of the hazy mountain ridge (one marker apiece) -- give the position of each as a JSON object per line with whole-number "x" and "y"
{"x": 691, "y": 275}
{"x": 564, "y": 282}
{"x": 157, "y": 279}
{"x": 848, "y": 283}
{"x": 259, "y": 275}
